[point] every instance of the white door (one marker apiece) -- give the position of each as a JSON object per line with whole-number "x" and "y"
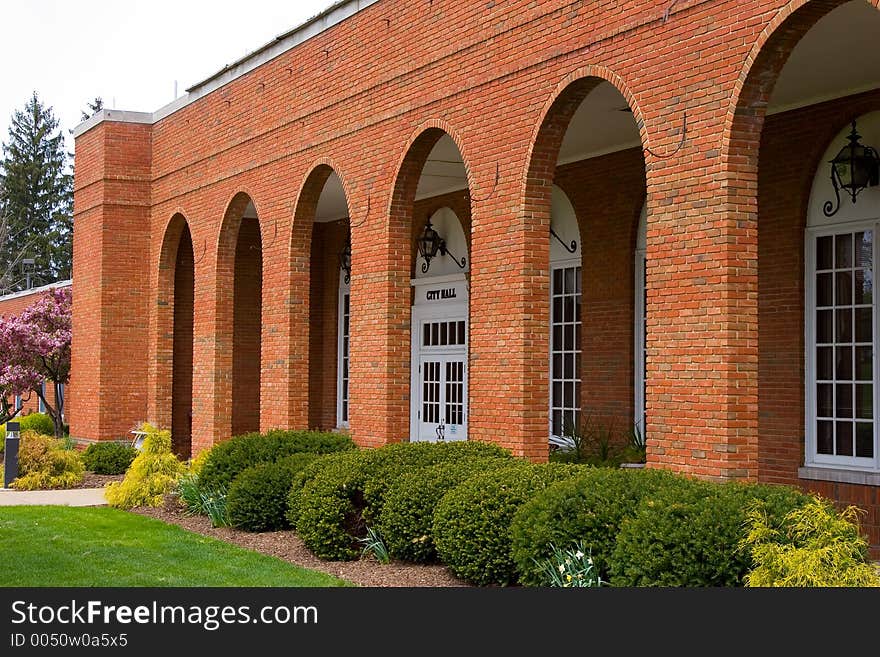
{"x": 442, "y": 411}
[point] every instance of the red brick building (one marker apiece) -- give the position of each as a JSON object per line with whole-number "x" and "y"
{"x": 14, "y": 304}
{"x": 631, "y": 197}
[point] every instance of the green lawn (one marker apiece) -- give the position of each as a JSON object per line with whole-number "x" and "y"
{"x": 65, "y": 546}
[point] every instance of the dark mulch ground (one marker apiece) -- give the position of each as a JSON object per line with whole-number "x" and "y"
{"x": 287, "y": 545}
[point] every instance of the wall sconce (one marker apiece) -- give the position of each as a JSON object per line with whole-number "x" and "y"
{"x": 345, "y": 259}
{"x": 430, "y": 244}
{"x": 854, "y": 168}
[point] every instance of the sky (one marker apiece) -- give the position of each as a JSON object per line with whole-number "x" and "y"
{"x": 130, "y": 53}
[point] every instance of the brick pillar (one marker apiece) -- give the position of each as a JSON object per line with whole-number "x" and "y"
{"x": 111, "y": 252}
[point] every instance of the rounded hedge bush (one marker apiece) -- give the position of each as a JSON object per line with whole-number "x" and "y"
{"x": 386, "y": 465}
{"x": 108, "y": 458}
{"x": 225, "y": 461}
{"x": 689, "y": 535}
{"x": 36, "y": 422}
{"x": 330, "y": 504}
{"x": 257, "y": 499}
{"x": 587, "y": 508}
{"x": 333, "y": 502}
{"x": 472, "y": 521}
{"x": 407, "y": 515}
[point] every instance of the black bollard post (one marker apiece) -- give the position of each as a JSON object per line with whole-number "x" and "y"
{"x": 10, "y": 465}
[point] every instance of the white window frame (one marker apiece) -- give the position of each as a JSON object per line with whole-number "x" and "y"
{"x": 566, "y": 263}
{"x": 41, "y": 407}
{"x": 639, "y": 354}
{"x": 811, "y": 456}
{"x": 344, "y": 289}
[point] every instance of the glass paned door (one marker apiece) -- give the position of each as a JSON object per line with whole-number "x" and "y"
{"x": 442, "y": 410}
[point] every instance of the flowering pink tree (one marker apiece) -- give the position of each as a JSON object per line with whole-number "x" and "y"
{"x": 35, "y": 348}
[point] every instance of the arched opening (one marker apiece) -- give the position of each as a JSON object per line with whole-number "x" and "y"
{"x": 182, "y": 368}
{"x": 433, "y": 213}
{"x": 796, "y": 99}
{"x": 174, "y": 389}
{"x": 239, "y": 310}
{"x": 590, "y": 198}
{"x": 321, "y": 253}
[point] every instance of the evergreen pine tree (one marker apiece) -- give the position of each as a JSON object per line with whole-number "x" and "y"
{"x": 36, "y": 193}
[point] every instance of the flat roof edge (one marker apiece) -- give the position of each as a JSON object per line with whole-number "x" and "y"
{"x": 314, "y": 26}
{"x": 36, "y": 290}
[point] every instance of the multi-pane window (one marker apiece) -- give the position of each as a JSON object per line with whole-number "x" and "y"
{"x": 843, "y": 343}
{"x": 565, "y": 351}
{"x": 344, "y": 333}
{"x": 455, "y": 391}
{"x": 443, "y": 334}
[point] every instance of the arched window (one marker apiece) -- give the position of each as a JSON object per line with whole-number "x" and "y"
{"x": 841, "y": 323}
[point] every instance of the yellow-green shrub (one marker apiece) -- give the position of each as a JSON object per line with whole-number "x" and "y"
{"x": 151, "y": 475}
{"x": 814, "y": 546}
{"x": 43, "y": 463}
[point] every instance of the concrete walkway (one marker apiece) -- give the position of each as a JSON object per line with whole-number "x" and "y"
{"x": 72, "y": 497}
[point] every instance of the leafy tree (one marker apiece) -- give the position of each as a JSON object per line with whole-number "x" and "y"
{"x": 35, "y": 348}
{"x": 36, "y": 197}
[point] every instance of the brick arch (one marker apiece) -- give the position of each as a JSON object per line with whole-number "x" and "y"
{"x": 392, "y": 401}
{"x": 164, "y": 329}
{"x": 748, "y": 104}
{"x": 770, "y": 249}
{"x": 556, "y": 116}
{"x": 313, "y": 295}
{"x": 238, "y": 321}
{"x": 174, "y": 334}
{"x": 607, "y": 391}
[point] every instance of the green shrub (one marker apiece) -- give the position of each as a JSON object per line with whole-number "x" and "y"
{"x": 37, "y": 422}
{"x": 225, "y": 461}
{"x": 814, "y": 546}
{"x": 407, "y": 515}
{"x": 587, "y": 508}
{"x": 688, "y": 534}
{"x": 152, "y": 474}
{"x": 257, "y": 499}
{"x": 43, "y": 464}
{"x": 472, "y": 521}
{"x": 386, "y": 465}
{"x": 358, "y": 487}
{"x": 329, "y": 506}
{"x": 2, "y": 438}
{"x": 108, "y": 458}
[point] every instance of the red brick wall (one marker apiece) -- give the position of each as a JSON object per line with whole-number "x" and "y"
{"x": 111, "y": 313}
{"x": 247, "y": 300}
{"x": 792, "y": 146}
{"x": 362, "y": 93}
{"x": 182, "y": 348}
{"x": 328, "y": 240}
{"x": 608, "y": 217}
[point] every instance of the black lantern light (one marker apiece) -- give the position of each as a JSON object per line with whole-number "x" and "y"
{"x": 345, "y": 259}
{"x": 430, "y": 244}
{"x": 853, "y": 169}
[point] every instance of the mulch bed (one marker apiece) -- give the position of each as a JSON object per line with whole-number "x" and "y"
{"x": 286, "y": 545}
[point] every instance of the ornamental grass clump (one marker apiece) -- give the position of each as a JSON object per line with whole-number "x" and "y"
{"x": 151, "y": 476}
{"x": 44, "y": 463}
{"x": 814, "y": 546}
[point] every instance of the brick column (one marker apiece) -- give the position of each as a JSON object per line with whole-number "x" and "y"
{"x": 111, "y": 252}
